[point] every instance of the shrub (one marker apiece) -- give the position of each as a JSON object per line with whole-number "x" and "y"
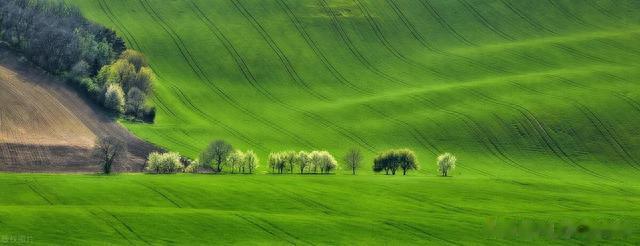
{"x": 135, "y": 103}
{"x": 114, "y": 98}
{"x": 392, "y": 160}
{"x": 136, "y": 58}
{"x": 446, "y": 164}
{"x": 324, "y": 161}
{"x": 235, "y": 161}
{"x": 164, "y": 162}
{"x": 251, "y": 161}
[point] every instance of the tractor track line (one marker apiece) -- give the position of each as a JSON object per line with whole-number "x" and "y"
{"x": 376, "y": 27}
{"x": 542, "y": 133}
{"x": 577, "y": 53}
{"x": 568, "y": 13}
{"x": 206, "y": 80}
{"x": 609, "y": 135}
{"x": 489, "y": 142}
{"x": 340, "y": 130}
{"x": 126, "y": 226}
{"x": 532, "y": 22}
{"x": 111, "y": 226}
{"x": 412, "y": 28}
{"x": 187, "y": 102}
{"x": 342, "y": 35}
{"x": 485, "y": 22}
{"x": 316, "y": 49}
{"x": 419, "y": 137}
{"x": 161, "y": 194}
{"x": 419, "y": 233}
{"x": 291, "y": 71}
{"x": 104, "y": 6}
{"x": 443, "y": 22}
{"x": 586, "y": 111}
{"x": 434, "y": 12}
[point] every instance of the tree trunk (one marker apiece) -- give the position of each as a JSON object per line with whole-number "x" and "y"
{"x": 404, "y": 172}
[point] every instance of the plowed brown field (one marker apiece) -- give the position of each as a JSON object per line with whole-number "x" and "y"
{"x": 45, "y": 126}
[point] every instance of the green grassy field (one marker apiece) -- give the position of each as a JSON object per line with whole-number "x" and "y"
{"x": 512, "y": 87}
{"x": 538, "y": 99}
{"x": 264, "y": 209}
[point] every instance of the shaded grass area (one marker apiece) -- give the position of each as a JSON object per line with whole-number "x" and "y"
{"x": 266, "y": 209}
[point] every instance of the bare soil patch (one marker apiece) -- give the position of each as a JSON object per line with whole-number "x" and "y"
{"x": 46, "y": 126}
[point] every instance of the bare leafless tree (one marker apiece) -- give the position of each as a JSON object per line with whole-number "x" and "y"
{"x": 352, "y": 159}
{"x": 109, "y": 150}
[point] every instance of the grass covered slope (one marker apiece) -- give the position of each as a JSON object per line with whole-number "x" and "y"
{"x": 514, "y": 88}
{"x": 360, "y": 210}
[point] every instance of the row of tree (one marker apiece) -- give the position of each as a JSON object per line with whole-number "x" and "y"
{"x": 57, "y": 38}
{"x": 220, "y": 155}
{"x": 302, "y": 161}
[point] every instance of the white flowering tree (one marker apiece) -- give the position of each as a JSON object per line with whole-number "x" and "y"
{"x": 446, "y": 164}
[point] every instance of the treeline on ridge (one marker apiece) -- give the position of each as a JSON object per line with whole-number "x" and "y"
{"x": 220, "y": 157}
{"x": 57, "y": 38}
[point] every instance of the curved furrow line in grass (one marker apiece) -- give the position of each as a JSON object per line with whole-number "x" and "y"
{"x": 580, "y": 54}
{"x": 104, "y": 6}
{"x": 417, "y": 135}
{"x": 484, "y": 135}
{"x": 343, "y": 35}
{"x": 108, "y": 223}
{"x": 532, "y": 22}
{"x": 340, "y": 130}
{"x": 282, "y": 231}
{"x": 162, "y": 105}
{"x": 609, "y": 135}
{"x": 131, "y": 39}
{"x": 175, "y": 141}
{"x": 567, "y": 13}
{"x": 541, "y": 132}
{"x": 594, "y": 4}
{"x": 126, "y": 226}
{"x": 420, "y": 138}
{"x": 412, "y": 29}
{"x": 617, "y": 45}
{"x": 443, "y": 22}
{"x": 265, "y": 229}
{"x": 284, "y": 60}
{"x": 376, "y": 27}
{"x": 316, "y": 49}
{"x": 594, "y": 119}
{"x": 203, "y": 77}
{"x": 231, "y": 49}
{"x": 187, "y": 102}
{"x": 632, "y": 102}
{"x": 485, "y": 22}
{"x": 418, "y": 232}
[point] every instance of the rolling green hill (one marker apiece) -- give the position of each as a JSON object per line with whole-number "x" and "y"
{"x": 538, "y": 99}
{"x": 515, "y": 88}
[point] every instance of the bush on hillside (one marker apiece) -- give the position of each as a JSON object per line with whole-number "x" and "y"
{"x": 114, "y": 98}
{"x": 164, "y": 163}
{"x": 446, "y": 164}
{"x": 314, "y": 162}
{"x": 392, "y": 160}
